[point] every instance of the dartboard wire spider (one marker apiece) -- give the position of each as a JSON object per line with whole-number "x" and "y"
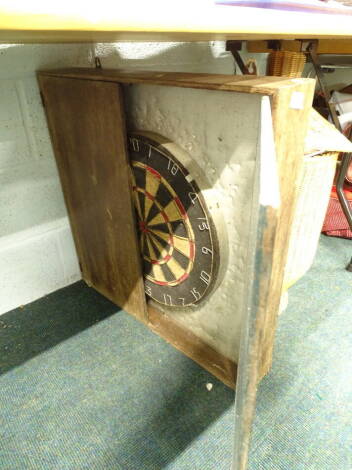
{"x": 157, "y": 238}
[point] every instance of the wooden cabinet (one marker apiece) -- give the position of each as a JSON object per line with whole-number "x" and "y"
{"x": 240, "y": 144}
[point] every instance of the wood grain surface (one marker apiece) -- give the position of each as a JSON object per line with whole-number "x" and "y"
{"x": 87, "y": 127}
{"x": 268, "y": 251}
{"x": 241, "y": 83}
{"x": 290, "y": 129}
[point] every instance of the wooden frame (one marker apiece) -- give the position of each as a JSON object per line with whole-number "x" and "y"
{"x": 288, "y": 103}
{"x": 291, "y": 102}
{"x": 96, "y": 190}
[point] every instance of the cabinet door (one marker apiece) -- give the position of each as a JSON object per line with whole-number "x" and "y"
{"x": 87, "y": 127}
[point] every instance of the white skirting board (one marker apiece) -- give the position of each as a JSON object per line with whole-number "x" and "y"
{"x": 35, "y": 262}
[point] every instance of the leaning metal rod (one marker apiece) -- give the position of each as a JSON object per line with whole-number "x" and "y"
{"x": 320, "y": 76}
{"x": 240, "y": 63}
{"x": 345, "y": 163}
{"x": 234, "y": 47}
{"x": 342, "y": 173}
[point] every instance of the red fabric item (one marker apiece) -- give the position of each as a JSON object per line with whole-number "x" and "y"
{"x": 335, "y": 223}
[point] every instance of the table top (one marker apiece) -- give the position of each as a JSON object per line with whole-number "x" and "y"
{"x": 158, "y": 20}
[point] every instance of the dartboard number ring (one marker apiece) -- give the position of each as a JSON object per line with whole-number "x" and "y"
{"x": 176, "y": 233}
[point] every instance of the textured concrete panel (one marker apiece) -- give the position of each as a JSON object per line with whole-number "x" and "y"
{"x": 205, "y": 57}
{"x": 220, "y": 131}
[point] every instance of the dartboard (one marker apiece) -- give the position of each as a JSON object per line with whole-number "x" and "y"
{"x": 176, "y": 232}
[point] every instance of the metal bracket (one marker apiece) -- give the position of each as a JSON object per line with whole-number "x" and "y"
{"x": 306, "y": 44}
{"x": 312, "y": 51}
{"x": 234, "y": 47}
{"x": 97, "y": 63}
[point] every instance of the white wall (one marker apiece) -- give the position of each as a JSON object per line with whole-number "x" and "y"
{"x": 37, "y": 254}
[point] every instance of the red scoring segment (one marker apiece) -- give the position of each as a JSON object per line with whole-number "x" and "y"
{"x": 166, "y": 283}
{"x": 166, "y": 259}
{"x": 181, "y": 208}
{"x": 154, "y": 172}
{"x": 142, "y": 226}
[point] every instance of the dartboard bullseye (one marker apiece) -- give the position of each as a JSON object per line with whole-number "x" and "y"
{"x": 177, "y": 236}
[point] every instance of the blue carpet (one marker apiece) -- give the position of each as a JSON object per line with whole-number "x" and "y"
{"x": 304, "y": 406}
{"x": 85, "y": 386}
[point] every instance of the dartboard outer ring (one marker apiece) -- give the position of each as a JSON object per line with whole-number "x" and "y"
{"x": 178, "y": 239}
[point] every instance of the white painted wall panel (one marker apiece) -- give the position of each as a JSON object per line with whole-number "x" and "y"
{"x": 37, "y": 255}
{"x": 31, "y": 195}
{"x": 32, "y": 264}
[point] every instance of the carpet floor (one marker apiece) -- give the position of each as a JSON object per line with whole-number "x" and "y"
{"x": 85, "y": 386}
